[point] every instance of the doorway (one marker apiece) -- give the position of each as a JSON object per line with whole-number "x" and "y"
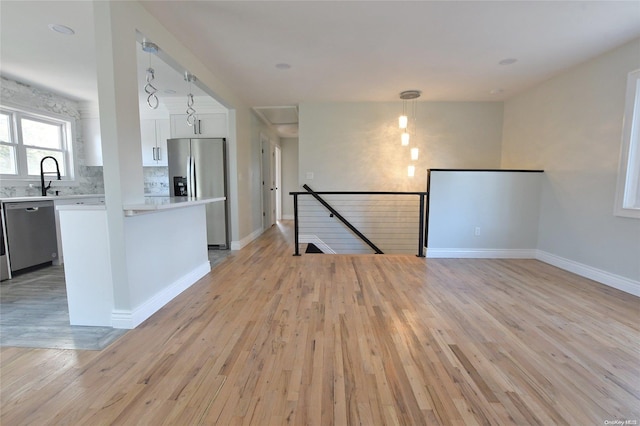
{"x": 271, "y": 182}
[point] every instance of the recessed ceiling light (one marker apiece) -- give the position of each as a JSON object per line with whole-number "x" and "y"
{"x": 508, "y": 61}
{"x": 62, "y": 29}
{"x": 496, "y": 91}
{"x": 283, "y": 66}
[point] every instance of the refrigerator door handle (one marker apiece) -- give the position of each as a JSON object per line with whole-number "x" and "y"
{"x": 193, "y": 177}
{"x": 189, "y": 176}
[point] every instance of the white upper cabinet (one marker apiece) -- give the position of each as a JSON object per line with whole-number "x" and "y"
{"x": 92, "y": 141}
{"x": 90, "y": 125}
{"x": 154, "y": 135}
{"x": 213, "y": 125}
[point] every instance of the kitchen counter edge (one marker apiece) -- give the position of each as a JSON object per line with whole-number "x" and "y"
{"x": 48, "y": 198}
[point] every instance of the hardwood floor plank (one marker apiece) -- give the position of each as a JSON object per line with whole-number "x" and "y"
{"x": 269, "y": 338}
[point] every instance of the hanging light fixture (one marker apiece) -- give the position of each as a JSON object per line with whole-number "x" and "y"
{"x": 191, "y": 112}
{"x": 404, "y": 137}
{"x": 414, "y": 153}
{"x": 403, "y": 120}
{"x": 149, "y": 88}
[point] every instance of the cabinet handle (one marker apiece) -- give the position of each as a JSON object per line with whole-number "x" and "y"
{"x": 153, "y": 150}
{"x": 159, "y": 156}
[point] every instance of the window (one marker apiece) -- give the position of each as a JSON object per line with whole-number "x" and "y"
{"x": 26, "y": 138}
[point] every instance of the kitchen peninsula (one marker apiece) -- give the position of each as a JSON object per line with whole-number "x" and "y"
{"x": 166, "y": 252}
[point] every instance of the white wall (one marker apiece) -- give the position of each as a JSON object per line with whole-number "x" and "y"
{"x": 118, "y": 25}
{"x": 356, "y": 146}
{"x": 289, "y": 174}
{"x": 503, "y": 206}
{"x": 571, "y": 126}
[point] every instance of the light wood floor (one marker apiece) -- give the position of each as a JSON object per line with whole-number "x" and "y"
{"x": 268, "y": 338}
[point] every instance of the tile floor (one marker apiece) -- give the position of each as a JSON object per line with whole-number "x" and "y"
{"x": 34, "y": 312}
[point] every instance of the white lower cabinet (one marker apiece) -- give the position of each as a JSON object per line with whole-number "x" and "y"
{"x": 67, "y": 202}
{"x": 154, "y": 135}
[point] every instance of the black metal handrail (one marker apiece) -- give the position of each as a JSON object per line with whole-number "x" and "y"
{"x": 316, "y": 195}
{"x": 342, "y": 219}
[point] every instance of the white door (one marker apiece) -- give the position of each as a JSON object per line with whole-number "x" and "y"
{"x": 278, "y": 191}
{"x": 274, "y": 187}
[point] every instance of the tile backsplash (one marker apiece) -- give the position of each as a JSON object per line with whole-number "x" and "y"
{"x": 156, "y": 180}
{"x": 89, "y": 179}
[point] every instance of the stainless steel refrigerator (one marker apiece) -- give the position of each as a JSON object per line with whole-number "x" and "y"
{"x": 198, "y": 168}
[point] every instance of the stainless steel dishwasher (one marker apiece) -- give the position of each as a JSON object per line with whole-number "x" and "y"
{"x": 31, "y": 233}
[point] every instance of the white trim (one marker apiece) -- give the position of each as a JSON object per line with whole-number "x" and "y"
{"x": 131, "y": 319}
{"x": 239, "y": 245}
{"x": 607, "y": 278}
{"x": 480, "y": 253}
{"x": 627, "y": 199}
{"x": 313, "y": 239}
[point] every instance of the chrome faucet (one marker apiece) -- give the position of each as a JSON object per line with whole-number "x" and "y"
{"x": 42, "y": 173}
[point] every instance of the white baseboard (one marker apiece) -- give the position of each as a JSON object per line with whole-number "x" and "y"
{"x": 607, "y": 278}
{"x": 313, "y": 239}
{"x": 238, "y": 245}
{"x": 131, "y": 319}
{"x": 471, "y": 253}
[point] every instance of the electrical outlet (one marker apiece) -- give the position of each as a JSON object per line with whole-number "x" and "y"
{"x": 309, "y": 175}
{"x": 476, "y": 232}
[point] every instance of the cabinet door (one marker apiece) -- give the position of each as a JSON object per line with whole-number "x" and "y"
{"x": 163, "y": 132}
{"x": 180, "y": 128}
{"x": 213, "y": 125}
{"x": 148, "y": 142}
{"x": 208, "y": 126}
{"x": 92, "y": 141}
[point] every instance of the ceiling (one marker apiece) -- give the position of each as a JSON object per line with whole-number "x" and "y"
{"x": 283, "y": 53}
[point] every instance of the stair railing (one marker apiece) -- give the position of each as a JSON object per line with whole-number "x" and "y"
{"x": 337, "y": 215}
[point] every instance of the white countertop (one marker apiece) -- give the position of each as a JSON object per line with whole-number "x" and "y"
{"x": 152, "y": 204}
{"x": 48, "y": 197}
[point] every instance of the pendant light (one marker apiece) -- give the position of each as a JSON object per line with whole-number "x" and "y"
{"x": 403, "y": 121}
{"x": 191, "y": 112}
{"x": 414, "y": 153}
{"x": 149, "y": 88}
{"x": 409, "y": 97}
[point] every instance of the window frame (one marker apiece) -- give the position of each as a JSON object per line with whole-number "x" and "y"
{"x": 68, "y": 130}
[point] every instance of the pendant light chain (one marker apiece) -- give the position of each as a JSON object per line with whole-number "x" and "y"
{"x": 149, "y": 88}
{"x": 191, "y": 112}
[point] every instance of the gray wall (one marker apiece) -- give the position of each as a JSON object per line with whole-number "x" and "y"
{"x": 356, "y": 146}
{"x": 289, "y": 174}
{"x": 483, "y": 214}
{"x": 571, "y": 126}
